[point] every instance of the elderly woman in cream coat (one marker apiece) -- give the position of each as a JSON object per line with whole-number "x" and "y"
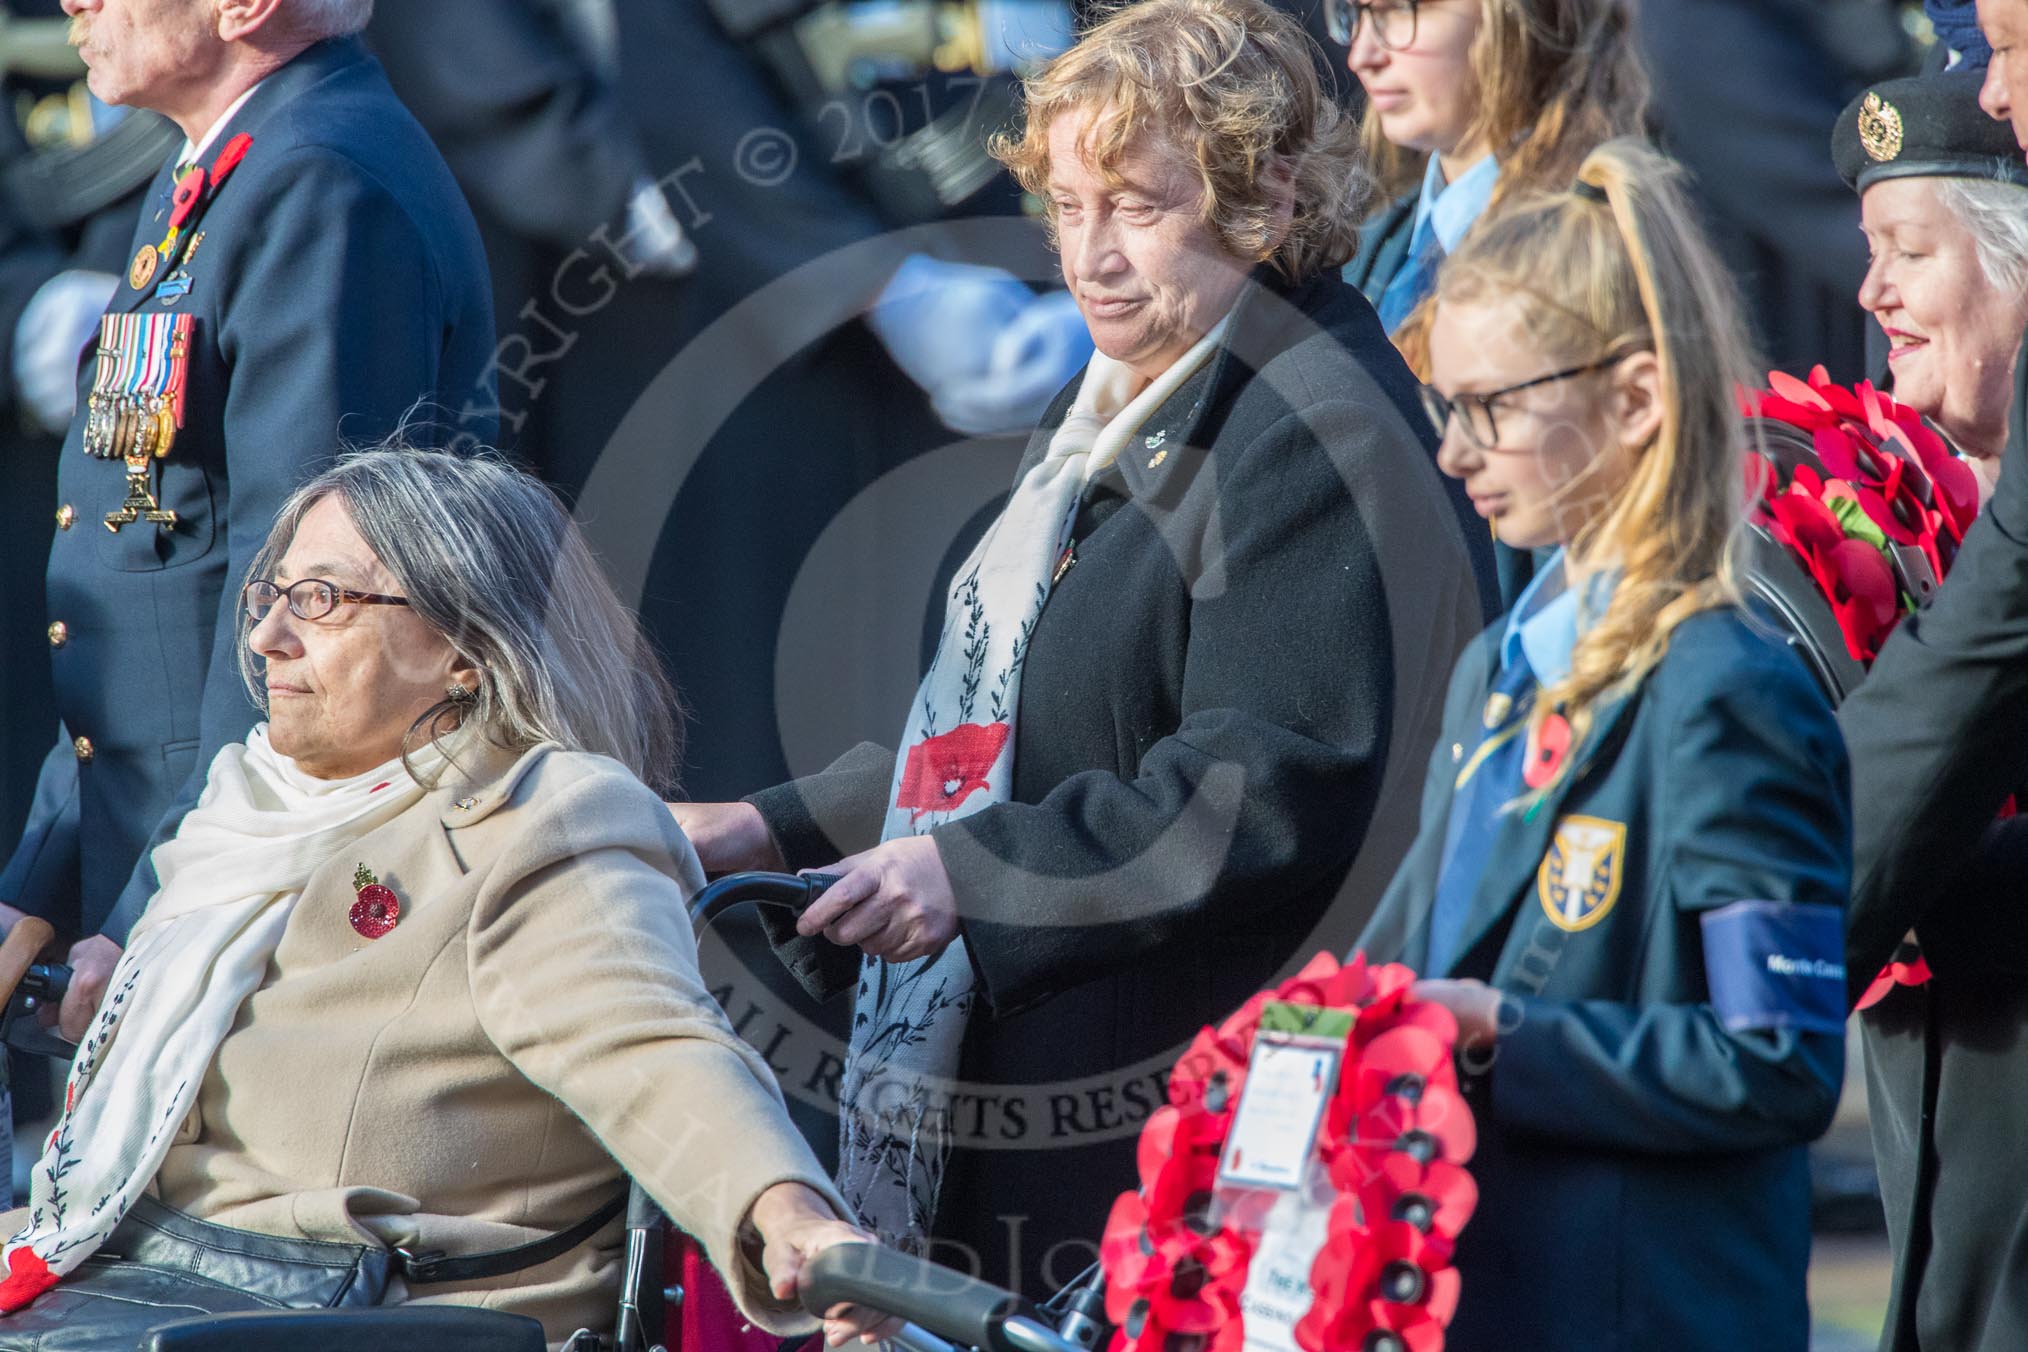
{"x": 419, "y": 976}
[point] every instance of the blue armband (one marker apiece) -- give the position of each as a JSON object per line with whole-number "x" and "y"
{"x": 1773, "y": 964}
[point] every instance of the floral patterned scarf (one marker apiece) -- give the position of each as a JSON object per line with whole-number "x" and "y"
{"x": 957, "y": 758}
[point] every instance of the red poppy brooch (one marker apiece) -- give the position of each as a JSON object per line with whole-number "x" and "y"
{"x": 375, "y": 908}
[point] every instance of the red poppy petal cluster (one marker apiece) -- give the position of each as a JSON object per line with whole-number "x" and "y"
{"x": 1880, "y": 456}
{"x": 28, "y": 1276}
{"x": 1395, "y": 1140}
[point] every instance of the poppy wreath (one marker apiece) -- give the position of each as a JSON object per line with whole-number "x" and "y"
{"x": 1395, "y": 1138}
{"x": 1883, "y": 477}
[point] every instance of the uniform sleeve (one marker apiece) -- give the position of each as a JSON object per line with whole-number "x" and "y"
{"x": 1263, "y": 790}
{"x": 584, "y": 975}
{"x": 522, "y": 117}
{"x": 336, "y": 326}
{"x": 1939, "y": 729}
{"x": 1757, "y": 804}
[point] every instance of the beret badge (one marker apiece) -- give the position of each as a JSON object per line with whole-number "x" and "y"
{"x": 1880, "y": 128}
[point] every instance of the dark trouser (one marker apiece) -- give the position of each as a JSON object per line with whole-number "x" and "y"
{"x": 161, "y": 1265}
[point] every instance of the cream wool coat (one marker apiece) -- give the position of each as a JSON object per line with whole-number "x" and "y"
{"x": 467, "y": 1081}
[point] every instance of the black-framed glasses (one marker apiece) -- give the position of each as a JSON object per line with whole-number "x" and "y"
{"x": 1393, "y": 21}
{"x": 1474, "y": 412}
{"x": 311, "y": 599}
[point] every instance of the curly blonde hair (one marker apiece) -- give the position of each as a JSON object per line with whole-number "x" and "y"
{"x": 1234, "y": 85}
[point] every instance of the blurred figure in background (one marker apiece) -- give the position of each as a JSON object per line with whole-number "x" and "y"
{"x": 615, "y": 151}
{"x": 1746, "y": 94}
{"x": 1472, "y": 104}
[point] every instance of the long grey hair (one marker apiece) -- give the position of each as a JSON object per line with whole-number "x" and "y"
{"x": 491, "y": 559}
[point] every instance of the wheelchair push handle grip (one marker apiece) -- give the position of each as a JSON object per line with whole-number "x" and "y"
{"x": 29, "y": 937}
{"x": 792, "y": 891}
{"x": 934, "y": 1298}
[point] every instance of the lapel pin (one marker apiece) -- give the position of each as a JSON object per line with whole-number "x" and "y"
{"x": 1546, "y": 751}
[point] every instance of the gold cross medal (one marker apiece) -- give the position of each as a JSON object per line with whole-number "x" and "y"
{"x": 136, "y": 405}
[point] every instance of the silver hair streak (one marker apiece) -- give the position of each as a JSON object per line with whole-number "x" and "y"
{"x": 1997, "y": 215}
{"x": 490, "y": 558}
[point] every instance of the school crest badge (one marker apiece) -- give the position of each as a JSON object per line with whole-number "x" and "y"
{"x": 1581, "y": 875}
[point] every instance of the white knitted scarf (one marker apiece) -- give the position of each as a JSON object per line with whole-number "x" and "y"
{"x": 229, "y": 881}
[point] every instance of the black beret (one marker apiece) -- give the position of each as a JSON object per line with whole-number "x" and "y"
{"x": 1926, "y": 126}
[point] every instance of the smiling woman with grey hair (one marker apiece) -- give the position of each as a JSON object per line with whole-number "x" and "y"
{"x": 1943, "y": 201}
{"x": 437, "y": 865}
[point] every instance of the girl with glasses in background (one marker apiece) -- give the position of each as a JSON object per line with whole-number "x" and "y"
{"x": 1635, "y": 849}
{"x": 1471, "y": 104}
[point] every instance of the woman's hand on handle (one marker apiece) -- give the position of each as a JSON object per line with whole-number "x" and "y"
{"x": 796, "y": 1224}
{"x": 729, "y": 837}
{"x": 893, "y": 901}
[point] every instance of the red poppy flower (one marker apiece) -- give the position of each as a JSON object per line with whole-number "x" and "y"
{"x": 1185, "y": 1280}
{"x": 1908, "y": 968}
{"x": 1178, "y": 1162}
{"x": 1210, "y": 1074}
{"x": 1416, "y": 1277}
{"x": 27, "y": 1277}
{"x": 1437, "y": 1125}
{"x": 941, "y": 772}
{"x": 1403, "y": 1061}
{"x": 1343, "y": 1278}
{"x": 1390, "y": 1006}
{"x": 1437, "y": 1198}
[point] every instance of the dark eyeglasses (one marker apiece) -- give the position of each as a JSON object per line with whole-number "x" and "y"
{"x": 1393, "y": 21}
{"x": 1474, "y": 412}
{"x": 311, "y": 599}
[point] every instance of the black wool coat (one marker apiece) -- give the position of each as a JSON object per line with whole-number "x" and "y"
{"x": 1938, "y": 734}
{"x": 1225, "y": 709}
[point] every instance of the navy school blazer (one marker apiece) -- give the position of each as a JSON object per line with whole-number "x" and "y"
{"x": 1641, "y": 1164}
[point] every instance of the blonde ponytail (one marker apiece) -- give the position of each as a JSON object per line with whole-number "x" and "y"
{"x": 1614, "y": 266}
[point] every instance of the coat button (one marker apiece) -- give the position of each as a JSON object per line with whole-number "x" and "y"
{"x": 66, "y": 516}
{"x": 83, "y": 747}
{"x": 59, "y": 634}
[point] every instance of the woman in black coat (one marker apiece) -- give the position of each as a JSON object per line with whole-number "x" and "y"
{"x": 1168, "y": 748}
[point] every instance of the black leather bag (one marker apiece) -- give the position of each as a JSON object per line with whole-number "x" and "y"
{"x": 161, "y": 1265}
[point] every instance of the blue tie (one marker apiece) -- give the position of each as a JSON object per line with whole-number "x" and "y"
{"x": 1492, "y": 777}
{"x": 1416, "y": 279}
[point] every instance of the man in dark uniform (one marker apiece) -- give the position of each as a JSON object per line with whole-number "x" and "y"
{"x": 1938, "y": 736}
{"x": 72, "y": 172}
{"x": 304, "y": 270}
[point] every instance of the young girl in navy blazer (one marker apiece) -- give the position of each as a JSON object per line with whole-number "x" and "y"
{"x": 1635, "y": 847}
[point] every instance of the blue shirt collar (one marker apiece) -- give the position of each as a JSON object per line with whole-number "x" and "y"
{"x": 1451, "y": 209}
{"x": 1547, "y": 620}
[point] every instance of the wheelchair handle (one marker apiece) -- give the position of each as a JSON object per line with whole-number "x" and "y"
{"x": 792, "y": 891}
{"x": 962, "y": 1309}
